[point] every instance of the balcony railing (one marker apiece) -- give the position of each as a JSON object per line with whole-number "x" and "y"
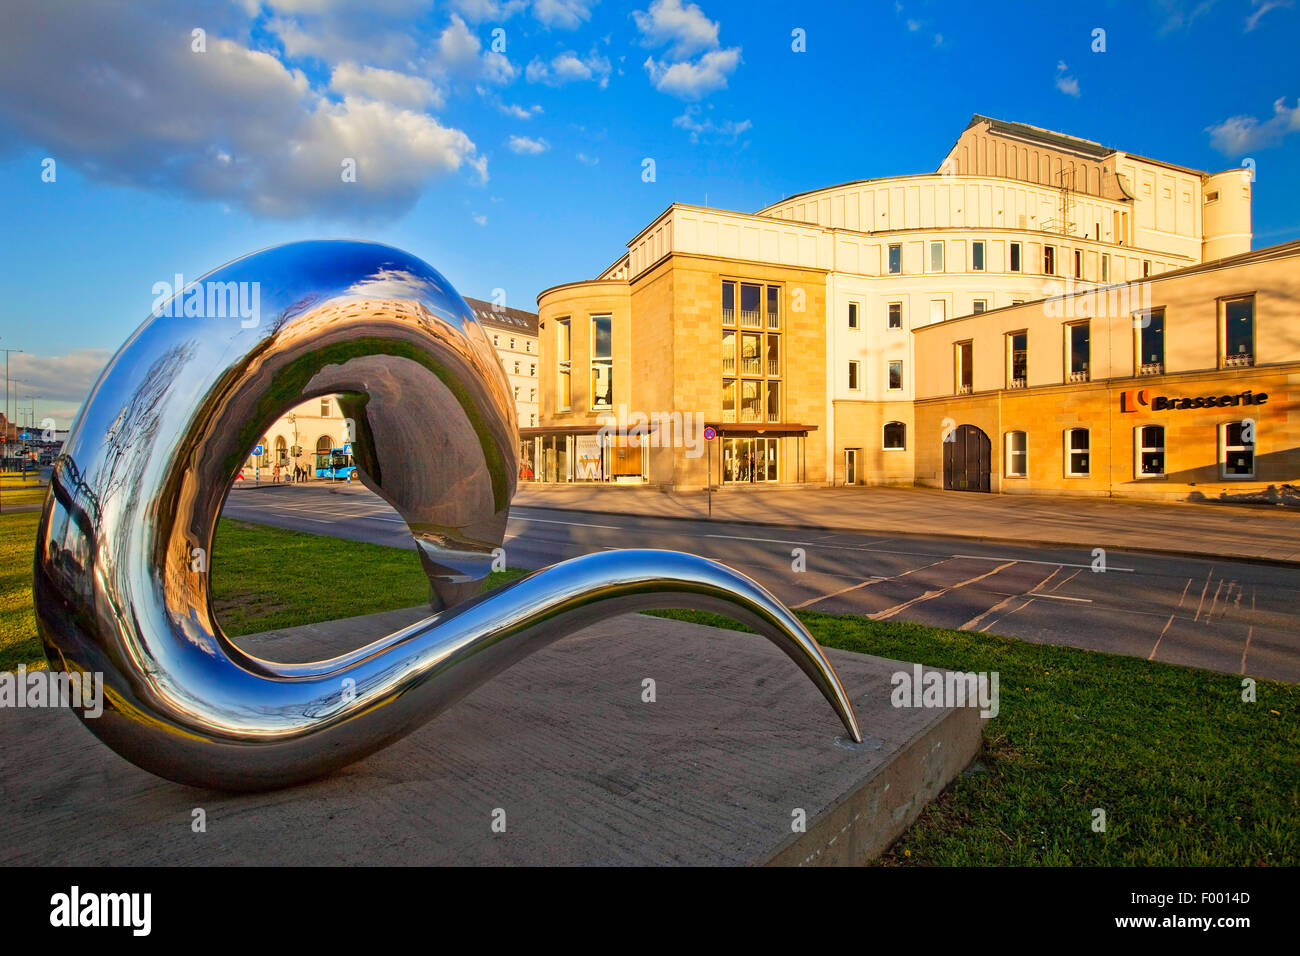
{"x": 1079, "y": 376}
{"x": 773, "y": 416}
{"x": 771, "y": 320}
{"x": 728, "y": 316}
{"x": 751, "y": 319}
{"x": 963, "y": 389}
{"x": 1240, "y": 360}
{"x": 1016, "y": 383}
{"x": 773, "y": 368}
{"x": 751, "y": 366}
{"x": 1151, "y": 368}
{"x": 729, "y": 364}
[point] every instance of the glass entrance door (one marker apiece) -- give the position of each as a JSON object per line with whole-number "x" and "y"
{"x": 750, "y": 459}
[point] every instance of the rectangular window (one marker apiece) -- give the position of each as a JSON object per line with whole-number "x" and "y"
{"x": 1078, "y": 263}
{"x": 963, "y": 373}
{"x": 1077, "y": 342}
{"x": 895, "y": 375}
{"x": 512, "y": 344}
{"x": 564, "y": 359}
{"x": 1150, "y": 333}
{"x": 751, "y": 297}
{"x": 324, "y": 408}
{"x": 773, "y": 401}
{"x": 1076, "y": 451}
{"x": 751, "y": 359}
{"x": 1015, "y": 257}
{"x": 751, "y": 400}
{"x": 729, "y": 399}
{"x": 936, "y": 257}
{"x": 532, "y": 369}
{"x": 853, "y": 315}
{"x": 773, "y": 356}
{"x": 1237, "y": 456}
{"x": 728, "y": 352}
{"x": 895, "y": 315}
{"x": 1146, "y": 268}
{"x": 516, "y": 368}
{"x": 1017, "y": 359}
{"x": 979, "y": 306}
{"x": 602, "y": 361}
{"x": 728, "y": 303}
{"x": 938, "y": 311}
{"x": 853, "y": 376}
{"x": 773, "y": 309}
{"x": 977, "y": 256}
{"x": 1049, "y": 260}
{"x": 1239, "y": 332}
{"x": 1017, "y": 456}
{"x": 1105, "y": 267}
{"x": 895, "y": 258}
{"x": 1149, "y": 440}
{"x": 850, "y": 466}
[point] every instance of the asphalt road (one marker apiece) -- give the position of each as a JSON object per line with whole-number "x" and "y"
{"x": 1231, "y": 617}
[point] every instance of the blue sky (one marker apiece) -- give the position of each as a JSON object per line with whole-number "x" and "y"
{"x": 521, "y": 168}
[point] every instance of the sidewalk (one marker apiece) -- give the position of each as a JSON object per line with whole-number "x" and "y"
{"x": 1236, "y": 532}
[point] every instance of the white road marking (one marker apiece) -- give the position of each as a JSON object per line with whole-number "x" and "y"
{"x": 930, "y": 595}
{"x": 1152, "y": 655}
{"x": 864, "y": 584}
{"x": 1060, "y": 564}
{"x": 1062, "y": 597}
{"x": 575, "y": 524}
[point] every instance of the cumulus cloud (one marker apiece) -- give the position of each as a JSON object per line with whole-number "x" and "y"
{"x": 56, "y": 380}
{"x": 399, "y": 89}
{"x": 685, "y": 31}
{"x": 1067, "y": 84}
{"x": 567, "y": 67}
{"x": 118, "y": 93}
{"x": 686, "y": 28}
{"x": 527, "y": 146}
{"x": 1262, "y": 7}
{"x": 476, "y": 11}
{"x": 690, "y": 81}
{"x": 704, "y": 129}
{"x": 1242, "y": 134}
{"x": 563, "y": 14}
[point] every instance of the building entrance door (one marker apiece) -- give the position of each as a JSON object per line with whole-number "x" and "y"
{"x": 967, "y": 459}
{"x": 750, "y": 460}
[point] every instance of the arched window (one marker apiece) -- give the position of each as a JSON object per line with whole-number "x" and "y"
{"x": 265, "y": 460}
{"x": 281, "y": 450}
{"x": 895, "y": 436}
{"x": 324, "y": 444}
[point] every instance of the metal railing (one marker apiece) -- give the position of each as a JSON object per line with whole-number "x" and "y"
{"x": 773, "y": 368}
{"x": 729, "y": 363}
{"x": 751, "y": 366}
{"x": 1016, "y": 383}
{"x": 1079, "y": 376}
{"x": 728, "y": 316}
{"x": 963, "y": 389}
{"x": 751, "y": 319}
{"x": 1240, "y": 360}
{"x": 1151, "y": 368}
{"x": 772, "y": 318}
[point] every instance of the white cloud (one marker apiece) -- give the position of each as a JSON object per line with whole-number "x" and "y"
{"x": 706, "y": 130}
{"x": 690, "y": 81}
{"x": 685, "y": 27}
{"x": 527, "y": 146}
{"x": 1242, "y": 134}
{"x": 481, "y": 220}
{"x": 519, "y": 112}
{"x": 587, "y": 160}
{"x": 63, "y": 378}
{"x": 568, "y": 68}
{"x": 1262, "y": 7}
{"x": 118, "y": 94}
{"x": 399, "y": 89}
{"x": 1067, "y": 84}
{"x": 564, "y": 14}
{"x": 476, "y": 11}
{"x": 913, "y": 25}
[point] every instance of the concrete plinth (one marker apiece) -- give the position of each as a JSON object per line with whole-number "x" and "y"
{"x": 586, "y": 772}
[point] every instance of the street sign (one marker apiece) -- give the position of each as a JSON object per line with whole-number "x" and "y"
{"x": 24, "y": 436}
{"x": 257, "y": 452}
{"x": 710, "y": 433}
{"x": 347, "y": 449}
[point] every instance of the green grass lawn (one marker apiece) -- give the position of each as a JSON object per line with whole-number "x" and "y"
{"x": 1186, "y": 772}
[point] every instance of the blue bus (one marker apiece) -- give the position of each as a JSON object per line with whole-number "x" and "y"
{"x": 335, "y": 464}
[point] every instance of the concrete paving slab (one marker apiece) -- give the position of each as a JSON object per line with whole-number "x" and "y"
{"x": 586, "y": 772}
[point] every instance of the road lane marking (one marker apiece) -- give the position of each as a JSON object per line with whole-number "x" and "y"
{"x": 930, "y": 595}
{"x": 999, "y": 620}
{"x": 1059, "y": 564}
{"x": 1200, "y": 604}
{"x": 864, "y": 584}
{"x": 1152, "y": 655}
{"x": 1062, "y": 597}
{"x": 1250, "y": 632}
{"x": 575, "y": 524}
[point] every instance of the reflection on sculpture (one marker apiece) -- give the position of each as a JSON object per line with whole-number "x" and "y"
{"x": 121, "y": 583}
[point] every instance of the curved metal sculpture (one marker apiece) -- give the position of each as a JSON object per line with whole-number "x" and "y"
{"x": 120, "y": 581}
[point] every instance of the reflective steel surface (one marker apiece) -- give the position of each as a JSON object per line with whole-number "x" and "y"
{"x": 121, "y": 573}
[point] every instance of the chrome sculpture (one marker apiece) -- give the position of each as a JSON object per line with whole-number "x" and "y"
{"x": 121, "y": 583}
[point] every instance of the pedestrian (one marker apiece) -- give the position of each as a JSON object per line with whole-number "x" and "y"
{"x": 275, "y": 473}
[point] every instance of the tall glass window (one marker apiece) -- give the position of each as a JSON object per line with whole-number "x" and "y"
{"x": 936, "y": 257}
{"x": 1239, "y": 332}
{"x": 1150, "y": 451}
{"x": 1017, "y": 456}
{"x": 895, "y": 258}
{"x": 1078, "y": 339}
{"x": 1238, "y": 451}
{"x": 602, "y": 361}
{"x": 977, "y": 256}
{"x": 564, "y": 360}
{"x": 1151, "y": 342}
{"x": 1017, "y": 359}
{"x": 1076, "y": 451}
{"x": 1015, "y": 257}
